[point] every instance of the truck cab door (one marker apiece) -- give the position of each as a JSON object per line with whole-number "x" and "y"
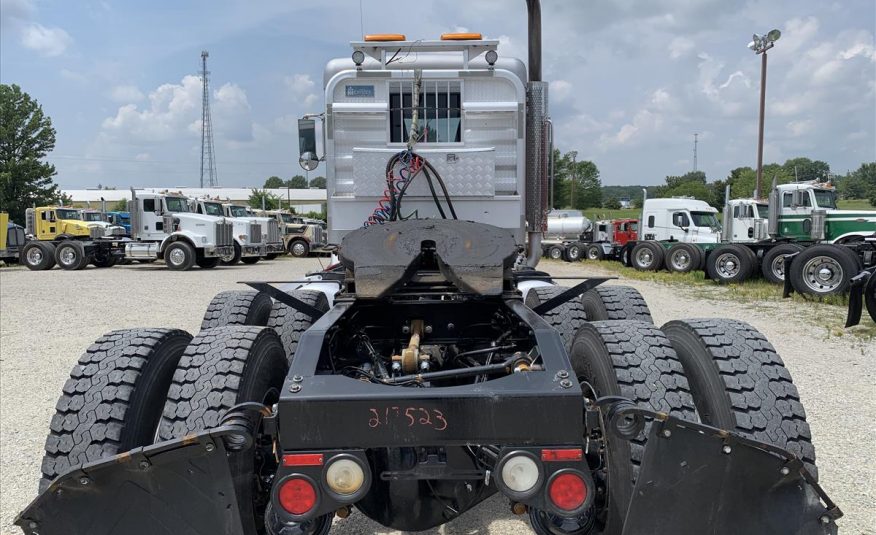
{"x": 796, "y": 211}
{"x": 680, "y": 229}
{"x": 47, "y": 225}
{"x": 150, "y": 219}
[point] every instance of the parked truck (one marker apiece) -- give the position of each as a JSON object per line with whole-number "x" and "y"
{"x": 300, "y": 238}
{"x": 270, "y": 228}
{"x": 12, "y": 240}
{"x": 249, "y": 244}
{"x": 800, "y": 221}
{"x": 565, "y": 229}
{"x": 120, "y": 219}
{"x": 58, "y": 235}
{"x": 163, "y": 227}
{"x": 433, "y": 367}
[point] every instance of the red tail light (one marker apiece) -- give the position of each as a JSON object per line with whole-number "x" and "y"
{"x": 297, "y": 495}
{"x": 568, "y": 491}
{"x": 302, "y": 459}
{"x": 571, "y": 454}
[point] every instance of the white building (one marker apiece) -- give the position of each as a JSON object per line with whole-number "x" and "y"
{"x": 301, "y": 200}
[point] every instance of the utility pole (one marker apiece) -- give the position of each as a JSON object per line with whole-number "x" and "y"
{"x": 574, "y": 179}
{"x": 760, "y": 44}
{"x": 208, "y": 157}
{"x": 696, "y": 135}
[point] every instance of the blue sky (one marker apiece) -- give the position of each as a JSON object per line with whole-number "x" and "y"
{"x": 631, "y": 80}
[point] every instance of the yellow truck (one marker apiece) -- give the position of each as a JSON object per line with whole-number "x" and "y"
{"x": 58, "y": 235}
{"x": 11, "y": 239}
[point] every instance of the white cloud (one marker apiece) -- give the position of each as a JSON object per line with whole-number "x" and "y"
{"x": 45, "y": 41}
{"x": 800, "y": 128}
{"x": 126, "y": 93}
{"x": 798, "y": 33}
{"x": 560, "y": 90}
{"x": 302, "y": 85}
{"x": 680, "y": 46}
{"x": 143, "y": 157}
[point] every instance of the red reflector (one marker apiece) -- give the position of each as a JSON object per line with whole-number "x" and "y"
{"x": 568, "y": 491}
{"x": 573, "y": 454}
{"x": 297, "y": 496}
{"x": 302, "y": 459}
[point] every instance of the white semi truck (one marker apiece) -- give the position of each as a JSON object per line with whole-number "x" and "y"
{"x": 249, "y": 244}
{"x": 801, "y": 222}
{"x": 163, "y": 227}
{"x": 270, "y": 228}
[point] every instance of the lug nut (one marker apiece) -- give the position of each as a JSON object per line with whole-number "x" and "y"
{"x": 562, "y": 374}
{"x": 297, "y": 379}
{"x": 295, "y": 388}
{"x": 450, "y": 326}
{"x": 428, "y": 329}
{"x": 144, "y": 465}
{"x": 726, "y": 449}
{"x": 84, "y": 480}
{"x": 209, "y": 446}
{"x": 667, "y": 433}
{"x": 565, "y": 383}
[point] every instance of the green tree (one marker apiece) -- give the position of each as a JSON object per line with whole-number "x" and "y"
{"x": 26, "y": 137}
{"x": 121, "y": 206}
{"x": 318, "y": 182}
{"x": 577, "y": 183}
{"x": 611, "y": 203}
{"x": 803, "y": 169}
{"x": 274, "y": 182}
{"x": 692, "y": 184}
{"x": 297, "y": 182}
{"x": 260, "y": 198}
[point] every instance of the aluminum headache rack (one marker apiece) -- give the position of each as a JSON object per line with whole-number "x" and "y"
{"x": 391, "y": 51}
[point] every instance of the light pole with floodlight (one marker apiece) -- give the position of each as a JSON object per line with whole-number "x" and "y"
{"x": 760, "y": 44}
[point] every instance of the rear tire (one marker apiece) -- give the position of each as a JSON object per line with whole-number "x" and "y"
{"x": 615, "y": 303}
{"x": 113, "y": 399}
{"x": 823, "y": 270}
{"x": 238, "y": 307}
{"x": 38, "y": 256}
{"x": 773, "y": 265}
{"x": 208, "y": 262}
{"x": 250, "y": 260}
{"x": 70, "y": 255}
{"x": 594, "y": 252}
{"x": 566, "y": 318}
{"x": 740, "y": 383}
{"x": 572, "y": 253}
{"x": 271, "y": 256}
{"x": 647, "y": 256}
{"x": 555, "y": 252}
{"x": 683, "y": 258}
{"x": 731, "y": 263}
{"x": 221, "y": 368}
{"x": 635, "y": 360}
{"x": 103, "y": 260}
{"x": 291, "y": 324}
{"x": 179, "y": 256}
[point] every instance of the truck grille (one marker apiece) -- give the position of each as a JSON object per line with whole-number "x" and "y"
{"x": 273, "y": 231}
{"x": 318, "y": 236}
{"x": 95, "y": 232}
{"x": 224, "y": 233}
{"x": 255, "y": 233}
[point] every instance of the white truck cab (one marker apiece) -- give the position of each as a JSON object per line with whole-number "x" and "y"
{"x": 247, "y": 235}
{"x": 96, "y": 218}
{"x": 163, "y": 226}
{"x": 270, "y": 227}
{"x": 681, "y": 219}
{"x": 745, "y": 221}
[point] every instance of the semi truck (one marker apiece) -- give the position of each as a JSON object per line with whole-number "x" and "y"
{"x": 800, "y": 222}
{"x": 163, "y": 227}
{"x": 58, "y": 235}
{"x": 12, "y": 240}
{"x": 434, "y": 366}
{"x": 300, "y": 238}
{"x": 270, "y": 228}
{"x": 120, "y": 219}
{"x": 573, "y": 237}
{"x": 565, "y": 229}
{"x": 249, "y": 244}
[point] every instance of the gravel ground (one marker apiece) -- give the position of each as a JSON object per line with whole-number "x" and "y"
{"x": 48, "y": 318}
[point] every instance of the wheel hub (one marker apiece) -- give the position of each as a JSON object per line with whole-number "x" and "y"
{"x": 177, "y": 257}
{"x": 645, "y": 258}
{"x": 728, "y": 265}
{"x": 68, "y": 255}
{"x": 34, "y": 256}
{"x": 822, "y": 274}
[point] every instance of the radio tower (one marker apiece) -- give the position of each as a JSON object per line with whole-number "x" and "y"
{"x": 695, "y": 152}
{"x": 208, "y": 157}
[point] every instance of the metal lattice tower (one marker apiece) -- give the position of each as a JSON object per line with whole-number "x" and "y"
{"x": 695, "y": 152}
{"x": 208, "y": 156}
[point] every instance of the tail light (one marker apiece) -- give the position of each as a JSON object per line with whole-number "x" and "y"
{"x": 520, "y": 473}
{"x": 344, "y": 476}
{"x": 297, "y": 495}
{"x": 567, "y": 491}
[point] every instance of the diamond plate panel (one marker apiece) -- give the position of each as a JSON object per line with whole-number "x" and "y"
{"x": 466, "y": 173}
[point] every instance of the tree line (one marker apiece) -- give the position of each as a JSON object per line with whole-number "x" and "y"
{"x": 296, "y": 182}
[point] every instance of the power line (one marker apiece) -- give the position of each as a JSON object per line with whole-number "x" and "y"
{"x": 208, "y": 157}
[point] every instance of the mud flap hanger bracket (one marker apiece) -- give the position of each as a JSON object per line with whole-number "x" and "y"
{"x": 290, "y": 300}
{"x": 569, "y": 294}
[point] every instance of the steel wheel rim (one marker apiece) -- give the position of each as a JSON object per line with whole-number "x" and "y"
{"x": 592, "y": 254}
{"x": 680, "y": 260}
{"x": 177, "y": 257}
{"x": 823, "y": 274}
{"x": 67, "y": 255}
{"x": 644, "y": 257}
{"x": 778, "y": 267}
{"x": 728, "y": 265}
{"x": 298, "y": 250}
{"x": 34, "y": 256}
{"x": 574, "y": 253}
{"x": 227, "y": 258}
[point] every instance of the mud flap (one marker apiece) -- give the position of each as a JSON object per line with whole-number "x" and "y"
{"x": 699, "y": 480}
{"x": 862, "y": 287}
{"x": 178, "y": 487}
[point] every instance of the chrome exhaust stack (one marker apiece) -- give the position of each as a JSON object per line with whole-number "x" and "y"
{"x": 538, "y": 141}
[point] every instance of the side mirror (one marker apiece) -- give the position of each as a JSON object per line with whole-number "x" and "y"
{"x": 308, "y": 160}
{"x": 797, "y": 197}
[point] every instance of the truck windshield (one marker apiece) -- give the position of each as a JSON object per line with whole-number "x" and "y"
{"x": 288, "y": 218}
{"x": 238, "y": 211}
{"x": 825, "y": 198}
{"x": 213, "y": 208}
{"x": 176, "y": 204}
{"x": 763, "y": 211}
{"x": 60, "y": 213}
{"x": 704, "y": 219}
{"x": 91, "y": 216}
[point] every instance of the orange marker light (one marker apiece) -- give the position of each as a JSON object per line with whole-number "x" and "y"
{"x": 377, "y": 37}
{"x": 465, "y": 36}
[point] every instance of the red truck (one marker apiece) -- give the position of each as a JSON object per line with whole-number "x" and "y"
{"x": 606, "y": 239}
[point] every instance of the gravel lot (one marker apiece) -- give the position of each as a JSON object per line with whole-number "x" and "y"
{"x": 48, "y": 318}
